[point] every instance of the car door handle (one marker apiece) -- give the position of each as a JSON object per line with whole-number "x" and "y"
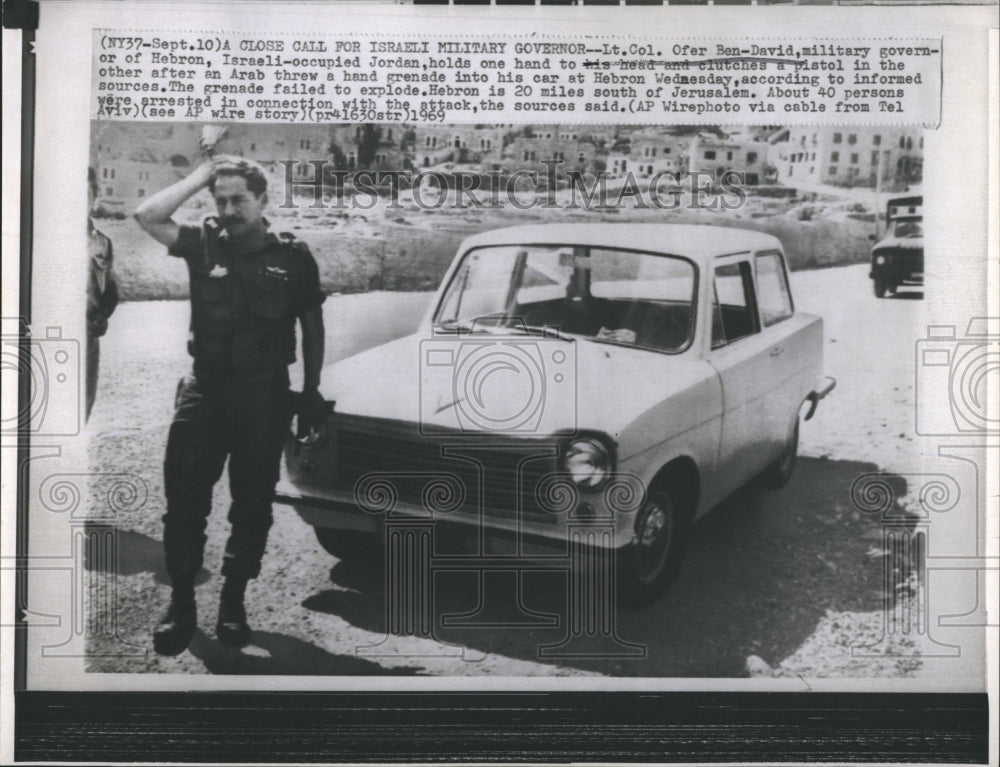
{"x": 776, "y": 351}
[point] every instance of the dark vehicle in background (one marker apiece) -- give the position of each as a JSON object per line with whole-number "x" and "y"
{"x": 898, "y": 258}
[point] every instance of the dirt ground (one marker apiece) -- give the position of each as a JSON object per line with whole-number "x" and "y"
{"x": 790, "y": 579}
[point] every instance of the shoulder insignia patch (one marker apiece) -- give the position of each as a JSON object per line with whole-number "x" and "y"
{"x": 275, "y": 273}
{"x": 295, "y": 247}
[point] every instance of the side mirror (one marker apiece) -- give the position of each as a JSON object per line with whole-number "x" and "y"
{"x": 871, "y": 238}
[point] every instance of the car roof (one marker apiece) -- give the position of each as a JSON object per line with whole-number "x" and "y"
{"x": 695, "y": 241}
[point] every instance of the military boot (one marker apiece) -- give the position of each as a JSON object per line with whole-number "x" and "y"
{"x": 173, "y": 633}
{"x": 232, "y": 628}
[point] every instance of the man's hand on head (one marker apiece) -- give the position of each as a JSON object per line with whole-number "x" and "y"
{"x": 205, "y": 172}
{"x": 225, "y": 159}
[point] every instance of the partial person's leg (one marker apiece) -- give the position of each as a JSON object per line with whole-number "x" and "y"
{"x": 93, "y": 362}
{"x": 196, "y": 453}
{"x": 258, "y": 425}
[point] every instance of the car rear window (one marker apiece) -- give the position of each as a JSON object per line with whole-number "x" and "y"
{"x": 773, "y": 296}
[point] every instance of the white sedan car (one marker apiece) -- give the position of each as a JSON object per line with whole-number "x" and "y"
{"x": 629, "y": 374}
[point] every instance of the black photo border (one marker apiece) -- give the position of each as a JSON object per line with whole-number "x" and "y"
{"x": 502, "y": 727}
{"x": 451, "y": 726}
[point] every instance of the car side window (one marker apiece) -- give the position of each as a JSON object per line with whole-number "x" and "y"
{"x": 734, "y": 315}
{"x": 773, "y": 296}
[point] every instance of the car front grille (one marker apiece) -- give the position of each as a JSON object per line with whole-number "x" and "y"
{"x": 381, "y": 459}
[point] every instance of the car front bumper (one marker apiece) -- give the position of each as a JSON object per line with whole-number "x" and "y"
{"x": 590, "y": 519}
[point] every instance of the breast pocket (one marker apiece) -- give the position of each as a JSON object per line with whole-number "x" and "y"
{"x": 270, "y": 295}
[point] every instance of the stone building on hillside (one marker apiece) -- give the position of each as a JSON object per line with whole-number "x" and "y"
{"x": 711, "y": 153}
{"x": 852, "y": 155}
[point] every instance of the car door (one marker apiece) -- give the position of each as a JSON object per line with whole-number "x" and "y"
{"x": 740, "y": 354}
{"x": 785, "y": 339}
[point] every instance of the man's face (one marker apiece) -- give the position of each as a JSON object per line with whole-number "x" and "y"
{"x": 240, "y": 210}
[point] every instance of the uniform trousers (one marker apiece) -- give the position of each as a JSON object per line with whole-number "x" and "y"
{"x": 215, "y": 418}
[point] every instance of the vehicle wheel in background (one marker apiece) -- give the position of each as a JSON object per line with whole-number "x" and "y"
{"x": 780, "y": 472}
{"x": 879, "y": 287}
{"x": 646, "y": 567}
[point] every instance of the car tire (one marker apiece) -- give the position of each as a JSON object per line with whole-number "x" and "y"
{"x": 348, "y": 545}
{"x": 880, "y": 286}
{"x": 647, "y": 566}
{"x": 778, "y": 474}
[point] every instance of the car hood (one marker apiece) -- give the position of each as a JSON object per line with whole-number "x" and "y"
{"x": 528, "y": 385}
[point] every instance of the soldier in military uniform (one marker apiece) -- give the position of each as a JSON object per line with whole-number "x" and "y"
{"x": 102, "y": 292}
{"x": 248, "y": 286}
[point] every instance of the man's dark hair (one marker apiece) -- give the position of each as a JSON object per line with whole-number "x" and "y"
{"x": 246, "y": 169}
{"x": 92, "y": 180}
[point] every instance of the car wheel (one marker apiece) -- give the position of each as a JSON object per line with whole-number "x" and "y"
{"x": 880, "y": 287}
{"x": 646, "y": 567}
{"x": 780, "y": 472}
{"x": 348, "y": 545}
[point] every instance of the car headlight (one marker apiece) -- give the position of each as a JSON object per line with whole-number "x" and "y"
{"x": 880, "y": 260}
{"x": 588, "y": 462}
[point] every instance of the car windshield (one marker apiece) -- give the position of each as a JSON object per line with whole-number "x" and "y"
{"x": 908, "y": 229}
{"x": 576, "y": 292}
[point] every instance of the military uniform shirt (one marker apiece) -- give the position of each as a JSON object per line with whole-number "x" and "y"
{"x": 244, "y": 305}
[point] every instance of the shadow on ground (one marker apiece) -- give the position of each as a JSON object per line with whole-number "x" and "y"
{"x": 760, "y": 571}
{"x": 268, "y": 652}
{"x": 135, "y": 553}
{"x": 272, "y": 653}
